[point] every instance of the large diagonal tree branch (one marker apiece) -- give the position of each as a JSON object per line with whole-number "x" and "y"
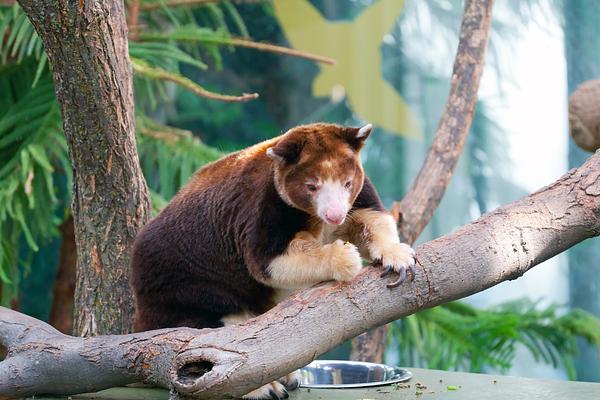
{"x": 415, "y": 210}
{"x": 230, "y": 361}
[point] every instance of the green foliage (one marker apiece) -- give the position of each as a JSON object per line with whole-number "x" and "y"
{"x": 19, "y": 39}
{"x": 35, "y": 168}
{"x": 169, "y": 157}
{"x": 461, "y": 337}
{"x": 160, "y": 54}
{"x": 35, "y": 173}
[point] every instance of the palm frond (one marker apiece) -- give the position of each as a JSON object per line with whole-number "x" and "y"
{"x": 33, "y": 146}
{"x": 19, "y": 39}
{"x": 169, "y": 157}
{"x": 165, "y": 55}
{"x": 461, "y": 337}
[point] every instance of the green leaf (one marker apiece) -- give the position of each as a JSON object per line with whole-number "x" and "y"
{"x": 163, "y": 54}
{"x": 40, "y": 69}
{"x": 237, "y": 18}
{"x": 21, "y": 219}
{"x": 39, "y": 155}
{"x": 459, "y": 336}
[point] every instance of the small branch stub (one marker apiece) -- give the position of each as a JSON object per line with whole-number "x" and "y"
{"x": 584, "y": 115}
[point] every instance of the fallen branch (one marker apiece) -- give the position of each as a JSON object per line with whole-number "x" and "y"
{"x": 415, "y": 210}
{"x": 225, "y": 362}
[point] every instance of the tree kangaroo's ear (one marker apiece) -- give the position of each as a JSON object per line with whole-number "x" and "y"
{"x": 356, "y": 136}
{"x": 286, "y": 151}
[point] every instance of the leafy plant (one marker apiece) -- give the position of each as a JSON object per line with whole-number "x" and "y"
{"x": 34, "y": 170}
{"x": 169, "y": 156}
{"x": 35, "y": 173}
{"x": 457, "y": 336}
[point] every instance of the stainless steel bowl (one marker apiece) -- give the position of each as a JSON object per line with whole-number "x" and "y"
{"x": 350, "y": 374}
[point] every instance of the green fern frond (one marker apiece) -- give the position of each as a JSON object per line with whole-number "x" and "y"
{"x": 175, "y": 14}
{"x": 169, "y": 157}
{"x": 237, "y": 19}
{"x": 33, "y": 148}
{"x": 165, "y": 55}
{"x": 19, "y": 38}
{"x": 189, "y": 33}
{"x": 459, "y": 336}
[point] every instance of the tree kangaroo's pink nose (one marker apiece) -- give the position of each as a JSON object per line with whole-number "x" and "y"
{"x": 335, "y": 216}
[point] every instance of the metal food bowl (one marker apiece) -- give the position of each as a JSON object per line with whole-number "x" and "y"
{"x": 332, "y": 374}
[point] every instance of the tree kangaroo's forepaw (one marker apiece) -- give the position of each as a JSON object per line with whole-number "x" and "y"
{"x": 272, "y": 391}
{"x": 398, "y": 258}
{"x": 344, "y": 260}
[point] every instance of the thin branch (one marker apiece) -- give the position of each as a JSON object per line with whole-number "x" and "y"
{"x": 417, "y": 207}
{"x": 415, "y": 210}
{"x": 133, "y": 17}
{"x": 167, "y": 134}
{"x": 239, "y": 42}
{"x": 161, "y": 74}
{"x": 281, "y": 50}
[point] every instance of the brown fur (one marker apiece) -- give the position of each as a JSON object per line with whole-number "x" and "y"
{"x": 244, "y": 227}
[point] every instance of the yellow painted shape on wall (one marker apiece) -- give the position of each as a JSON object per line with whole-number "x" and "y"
{"x": 355, "y": 45}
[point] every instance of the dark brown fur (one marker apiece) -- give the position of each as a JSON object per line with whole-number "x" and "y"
{"x": 205, "y": 255}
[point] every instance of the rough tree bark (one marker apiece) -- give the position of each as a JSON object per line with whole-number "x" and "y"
{"x": 86, "y": 43}
{"x": 230, "y": 361}
{"x": 415, "y": 210}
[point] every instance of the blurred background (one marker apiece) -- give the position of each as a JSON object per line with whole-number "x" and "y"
{"x": 393, "y": 64}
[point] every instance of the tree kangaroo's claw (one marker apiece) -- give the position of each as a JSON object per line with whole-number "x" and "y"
{"x": 394, "y": 257}
{"x": 402, "y": 273}
{"x": 401, "y": 278}
{"x": 386, "y": 271}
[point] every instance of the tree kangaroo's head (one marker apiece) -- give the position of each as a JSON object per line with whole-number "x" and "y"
{"x": 318, "y": 169}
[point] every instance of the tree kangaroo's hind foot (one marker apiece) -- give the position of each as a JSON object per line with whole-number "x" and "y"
{"x": 292, "y": 380}
{"x": 278, "y": 389}
{"x": 274, "y": 390}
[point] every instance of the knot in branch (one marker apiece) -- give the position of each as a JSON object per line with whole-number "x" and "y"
{"x": 198, "y": 369}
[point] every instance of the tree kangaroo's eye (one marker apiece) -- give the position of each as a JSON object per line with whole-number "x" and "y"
{"x": 312, "y": 187}
{"x": 348, "y": 184}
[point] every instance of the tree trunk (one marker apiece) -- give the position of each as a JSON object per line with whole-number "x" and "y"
{"x": 415, "y": 210}
{"x": 231, "y": 361}
{"x": 61, "y": 312}
{"x": 370, "y": 346}
{"x": 86, "y": 43}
